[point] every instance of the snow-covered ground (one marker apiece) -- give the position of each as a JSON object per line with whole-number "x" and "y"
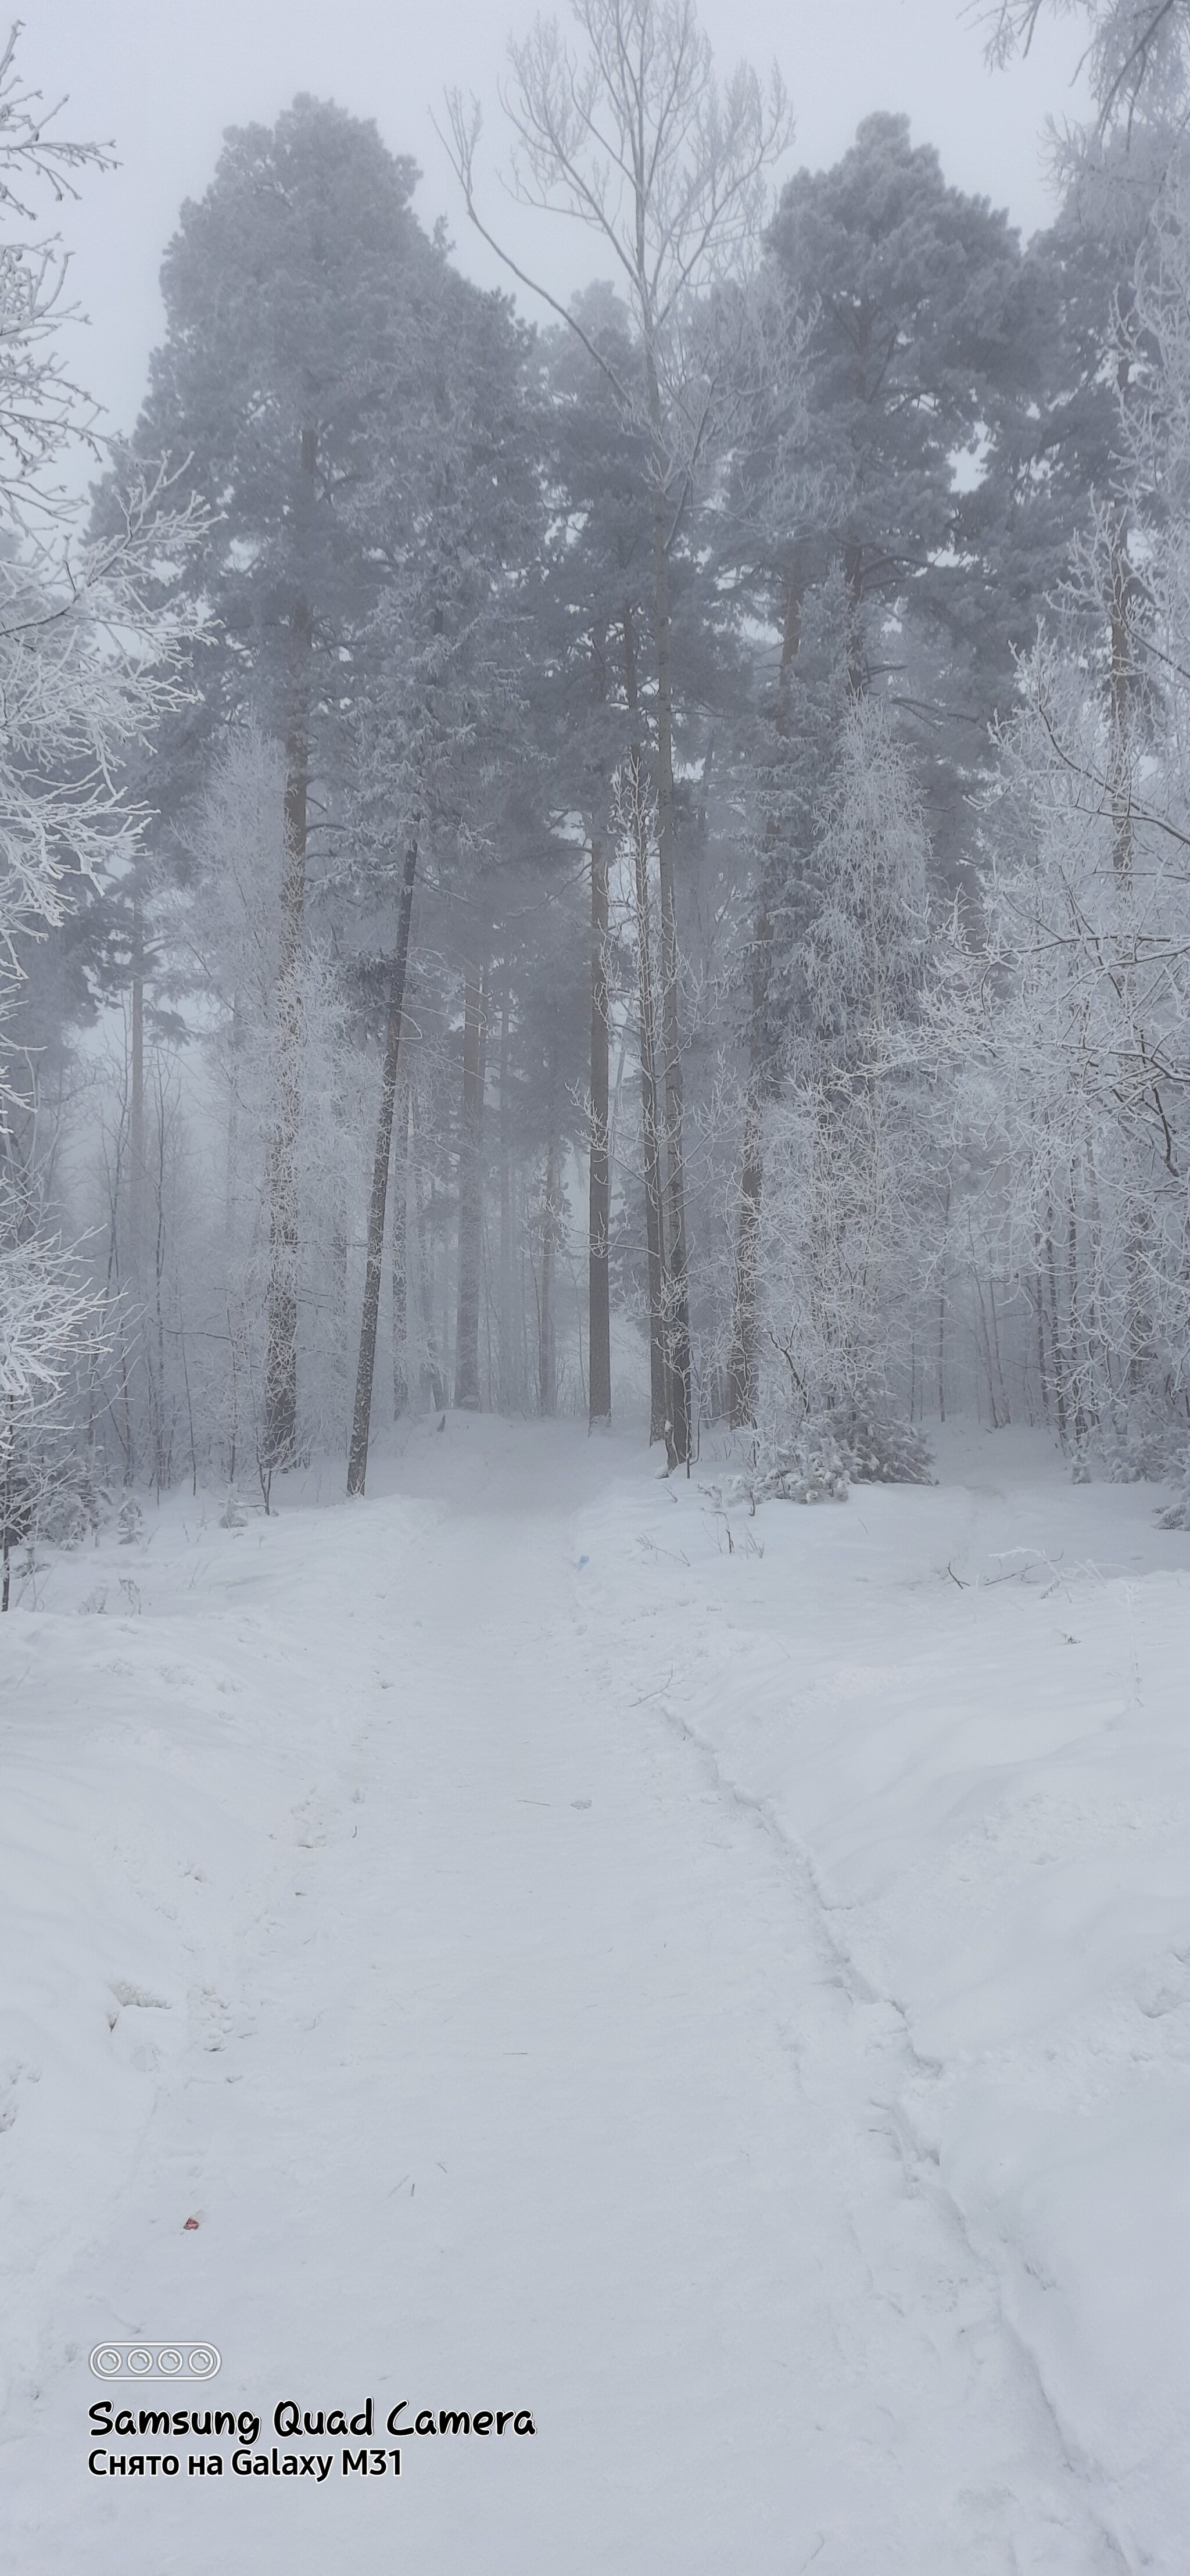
{"x": 720, "y": 1984}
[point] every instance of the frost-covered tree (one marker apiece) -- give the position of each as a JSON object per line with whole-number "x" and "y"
{"x": 1075, "y": 1054}
{"x": 910, "y": 340}
{"x": 842, "y": 1222}
{"x": 1137, "y": 48}
{"x": 287, "y": 291}
{"x": 450, "y": 512}
{"x": 91, "y": 640}
{"x": 630, "y": 133}
{"x": 229, "y": 928}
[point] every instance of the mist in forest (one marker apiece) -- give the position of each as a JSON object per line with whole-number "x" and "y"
{"x": 602, "y": 849}
{"x": 595, "y": 1287}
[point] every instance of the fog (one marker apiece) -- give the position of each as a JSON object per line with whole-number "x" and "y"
{"x": 595, "y": 1288}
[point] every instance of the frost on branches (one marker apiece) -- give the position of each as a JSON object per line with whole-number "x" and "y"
{"x": 89, "y": 660}
{"x": 1068, "y": 1022}
{"x": 217, "y": 1228}
{"x": 847, "y": 1175}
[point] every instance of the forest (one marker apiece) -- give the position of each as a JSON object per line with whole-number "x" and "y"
{"x": 631, "y": 863}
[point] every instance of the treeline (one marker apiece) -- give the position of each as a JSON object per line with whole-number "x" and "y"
{"x": 648, "y": 867}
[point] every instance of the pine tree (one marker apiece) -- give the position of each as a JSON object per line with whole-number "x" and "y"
{"x": 677, "y": 194}
{"x": 449, "y": 511}
{"x": 287, "y": 291}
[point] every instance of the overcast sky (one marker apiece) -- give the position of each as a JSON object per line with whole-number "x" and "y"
{"x": 162, "y": 78}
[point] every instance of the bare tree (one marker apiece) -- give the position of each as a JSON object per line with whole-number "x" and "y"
{"x": 1135, "y": 53}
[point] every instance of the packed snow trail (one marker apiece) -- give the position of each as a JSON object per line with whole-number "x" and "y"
{"x": 535, "y": 2079}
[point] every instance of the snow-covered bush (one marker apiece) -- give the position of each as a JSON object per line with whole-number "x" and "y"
{"x": 875, "y": 1447}
{"x": 809, "y": 1468}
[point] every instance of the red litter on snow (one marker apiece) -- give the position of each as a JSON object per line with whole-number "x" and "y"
{"x": 191, "y": 2222}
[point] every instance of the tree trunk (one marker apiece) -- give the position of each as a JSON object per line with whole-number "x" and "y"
{"x": 432, "y": 1375}
{"x": 357, "y": 1464}
{"x": 280, "y": 1391}
{"x": 1077, "y": 1343}
{"x": 1043, "y": 1375}
{"x": 942, "y": 1305}
{"x": 161, "y": 1458}
{"x": 1059, "y": 1362}
{"x": 400, "y": 1238}
{"x": 6, "y": 1497}
{"x": 547, "y": 1373}
{"x": 598, "y": 1304}
{"x": 467, "y": 1395}
{"x": 659, "y": 1413}
{"x": 678, "y": 1290}
{"x": 741, "y": 1367}
{"x": 659, "y": 1406}
{"x": 509, "y": 1370}
{"x": 1120, "y": 673}
{"x": 1098, "y": 1345}
{"x": 136, "y": 1136}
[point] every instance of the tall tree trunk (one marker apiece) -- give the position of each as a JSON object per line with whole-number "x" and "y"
{"x": 547, "y": 1371}
{"x": 467, "y": 1395}
{"x": 1122, "y": 593}
{"x": 1059, "y": 1360}
{"x": 1121, "y": 690}
{"x": 1043, "y": 1374}
{"x": 280, "y": 1390}
{"x": 432, "y": 1380}
{"x": 137, "y": 1185}
{"x": 1098, "y": 1345}
{"x": 161, "y": 1460}
{"x": 741, "y": 1367}
{"x": 7, "y": 1512}
{"x": 598, "y": 1303}
{"x": 136, "y": 1135}
{"x": 659, "y": 1410}
{"x": 1140, "y": 1322}
{"x": 508, "y": 1369}
{"x": 942, "y": 1304}
{"x": 1077, "y": 1340}
{"x": 357, "y": 1463}
{"x": 678, "y": 1439}
{"x": 400, "y": 1235}
{"x": 853, "y": 584}
{"x": 659, "y": 1403}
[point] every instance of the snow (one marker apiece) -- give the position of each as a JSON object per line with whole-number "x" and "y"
{"x": 721, "y": 1983}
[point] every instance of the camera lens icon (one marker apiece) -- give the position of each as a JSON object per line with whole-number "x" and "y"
{"x": 155, "y": 2361}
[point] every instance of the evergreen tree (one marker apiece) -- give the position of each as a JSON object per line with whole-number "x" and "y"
{"x": 450, "y": 513}
{"x": 288, "y": 290}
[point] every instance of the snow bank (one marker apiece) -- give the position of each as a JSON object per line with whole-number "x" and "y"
{"x": 967, "y": 1706}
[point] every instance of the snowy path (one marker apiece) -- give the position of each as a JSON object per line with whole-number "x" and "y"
{"x": 536, "y": 2082}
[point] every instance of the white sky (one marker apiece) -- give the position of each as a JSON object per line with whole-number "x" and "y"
{"x": 162, "y": 78}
